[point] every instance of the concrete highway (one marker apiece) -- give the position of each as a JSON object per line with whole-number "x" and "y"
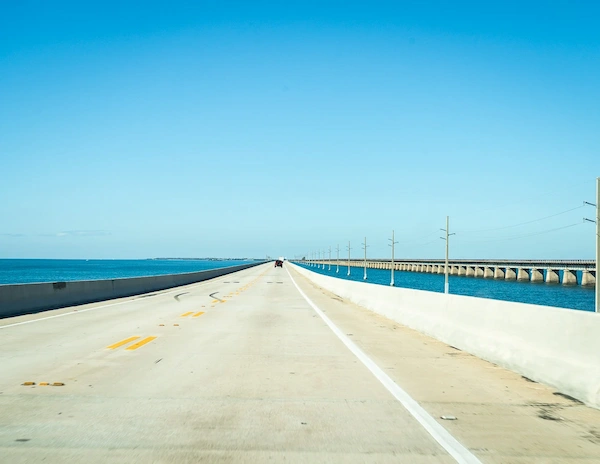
{"x": 263, "y": 366}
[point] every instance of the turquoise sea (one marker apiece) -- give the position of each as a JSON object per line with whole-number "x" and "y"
{"x": 22, "y": 271}
{"x": 563, "y": 296}
{"x": 19, "y": 271}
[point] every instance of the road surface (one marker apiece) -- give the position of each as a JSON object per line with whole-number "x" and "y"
{"x": 249, "y": 367}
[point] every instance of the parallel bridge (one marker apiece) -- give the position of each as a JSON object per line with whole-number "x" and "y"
{"x": 562, "y": 271}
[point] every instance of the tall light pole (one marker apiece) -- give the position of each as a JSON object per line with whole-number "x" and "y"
{"x": 337, "y": 262}
{"x": 329, "y": 259}
{"x": 365, "y": 248}
{"x": 597, "y": 221}
{"x": 598, "y": 244}
{"x": 349, "y": 257}
{"x": 448, "y": 234}
{"x": 392, "y": 245}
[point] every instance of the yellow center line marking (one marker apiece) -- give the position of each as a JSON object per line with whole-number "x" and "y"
{"x": 187, "y": 314}
{"x": 140, "y": 343}
{"x": 198, "y": 314}
{"x": 121, "y": 343}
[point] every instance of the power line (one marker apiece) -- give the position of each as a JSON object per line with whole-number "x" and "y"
{"x": 413, "y": 241}
{"x": 522, "y": 223}
{"x": 524, "y": 235}
{"x": 435, "y": 240}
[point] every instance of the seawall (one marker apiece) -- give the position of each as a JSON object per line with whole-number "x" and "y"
{"x": 555, "y": 346}
{"x": 21, "y": 299}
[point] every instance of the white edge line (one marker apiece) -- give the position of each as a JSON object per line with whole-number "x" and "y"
{"x": 439, "y": 433}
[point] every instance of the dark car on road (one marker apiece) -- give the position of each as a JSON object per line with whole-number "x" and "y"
{"x": 278, "y": 263}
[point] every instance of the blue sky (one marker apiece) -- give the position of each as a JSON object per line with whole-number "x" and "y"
{"x": 145, "y": 129}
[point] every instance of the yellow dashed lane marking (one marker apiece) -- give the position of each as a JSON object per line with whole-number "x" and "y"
{"x": 198, "y": 314}
{"x": 187, "y": 314}
{"x": 140, "y": 343}
{"x": 121, "y": 343}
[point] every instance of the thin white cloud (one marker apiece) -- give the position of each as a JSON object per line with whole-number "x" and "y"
{"x": 83, "y": 233}
{"x": 78, "y": 233}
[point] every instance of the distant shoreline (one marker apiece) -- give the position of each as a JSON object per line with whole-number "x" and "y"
{"x": 204, "y": 259}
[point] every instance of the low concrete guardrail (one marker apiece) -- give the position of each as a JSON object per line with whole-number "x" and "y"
{"x": 21, "y": 299}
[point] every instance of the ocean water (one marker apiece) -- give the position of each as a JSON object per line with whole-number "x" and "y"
{"x": 21, "y": 271}
{"x": 562, "y": 296}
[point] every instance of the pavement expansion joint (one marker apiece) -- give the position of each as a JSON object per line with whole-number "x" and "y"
{"x": 43, "y": 384}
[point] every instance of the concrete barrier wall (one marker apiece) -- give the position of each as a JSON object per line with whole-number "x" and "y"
{"x": 555, "y": 346}
{"x": 30, "y": 298}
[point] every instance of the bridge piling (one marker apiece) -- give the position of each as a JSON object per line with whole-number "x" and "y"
{"x": 552, "y": 276}
{"x": 569, "y": 277}
{"x": 510, "y": 274}
{"x": 522, "y": 275}
{"x": 536, "y": 275}
{"x": 588, "y": 278}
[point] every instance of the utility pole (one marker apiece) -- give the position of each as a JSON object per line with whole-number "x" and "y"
{"x": 392, "y": 245}
{"x": 329, "y": 259}
{"x": 349, "y": 257}
{"x": 447, "y": 238}
{"x": 365, "y": 248}
{"x": 337, "y": 262}
{"x": 597, "y": 221}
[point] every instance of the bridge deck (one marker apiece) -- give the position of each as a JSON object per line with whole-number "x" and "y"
{"x": 258, "y": 376}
